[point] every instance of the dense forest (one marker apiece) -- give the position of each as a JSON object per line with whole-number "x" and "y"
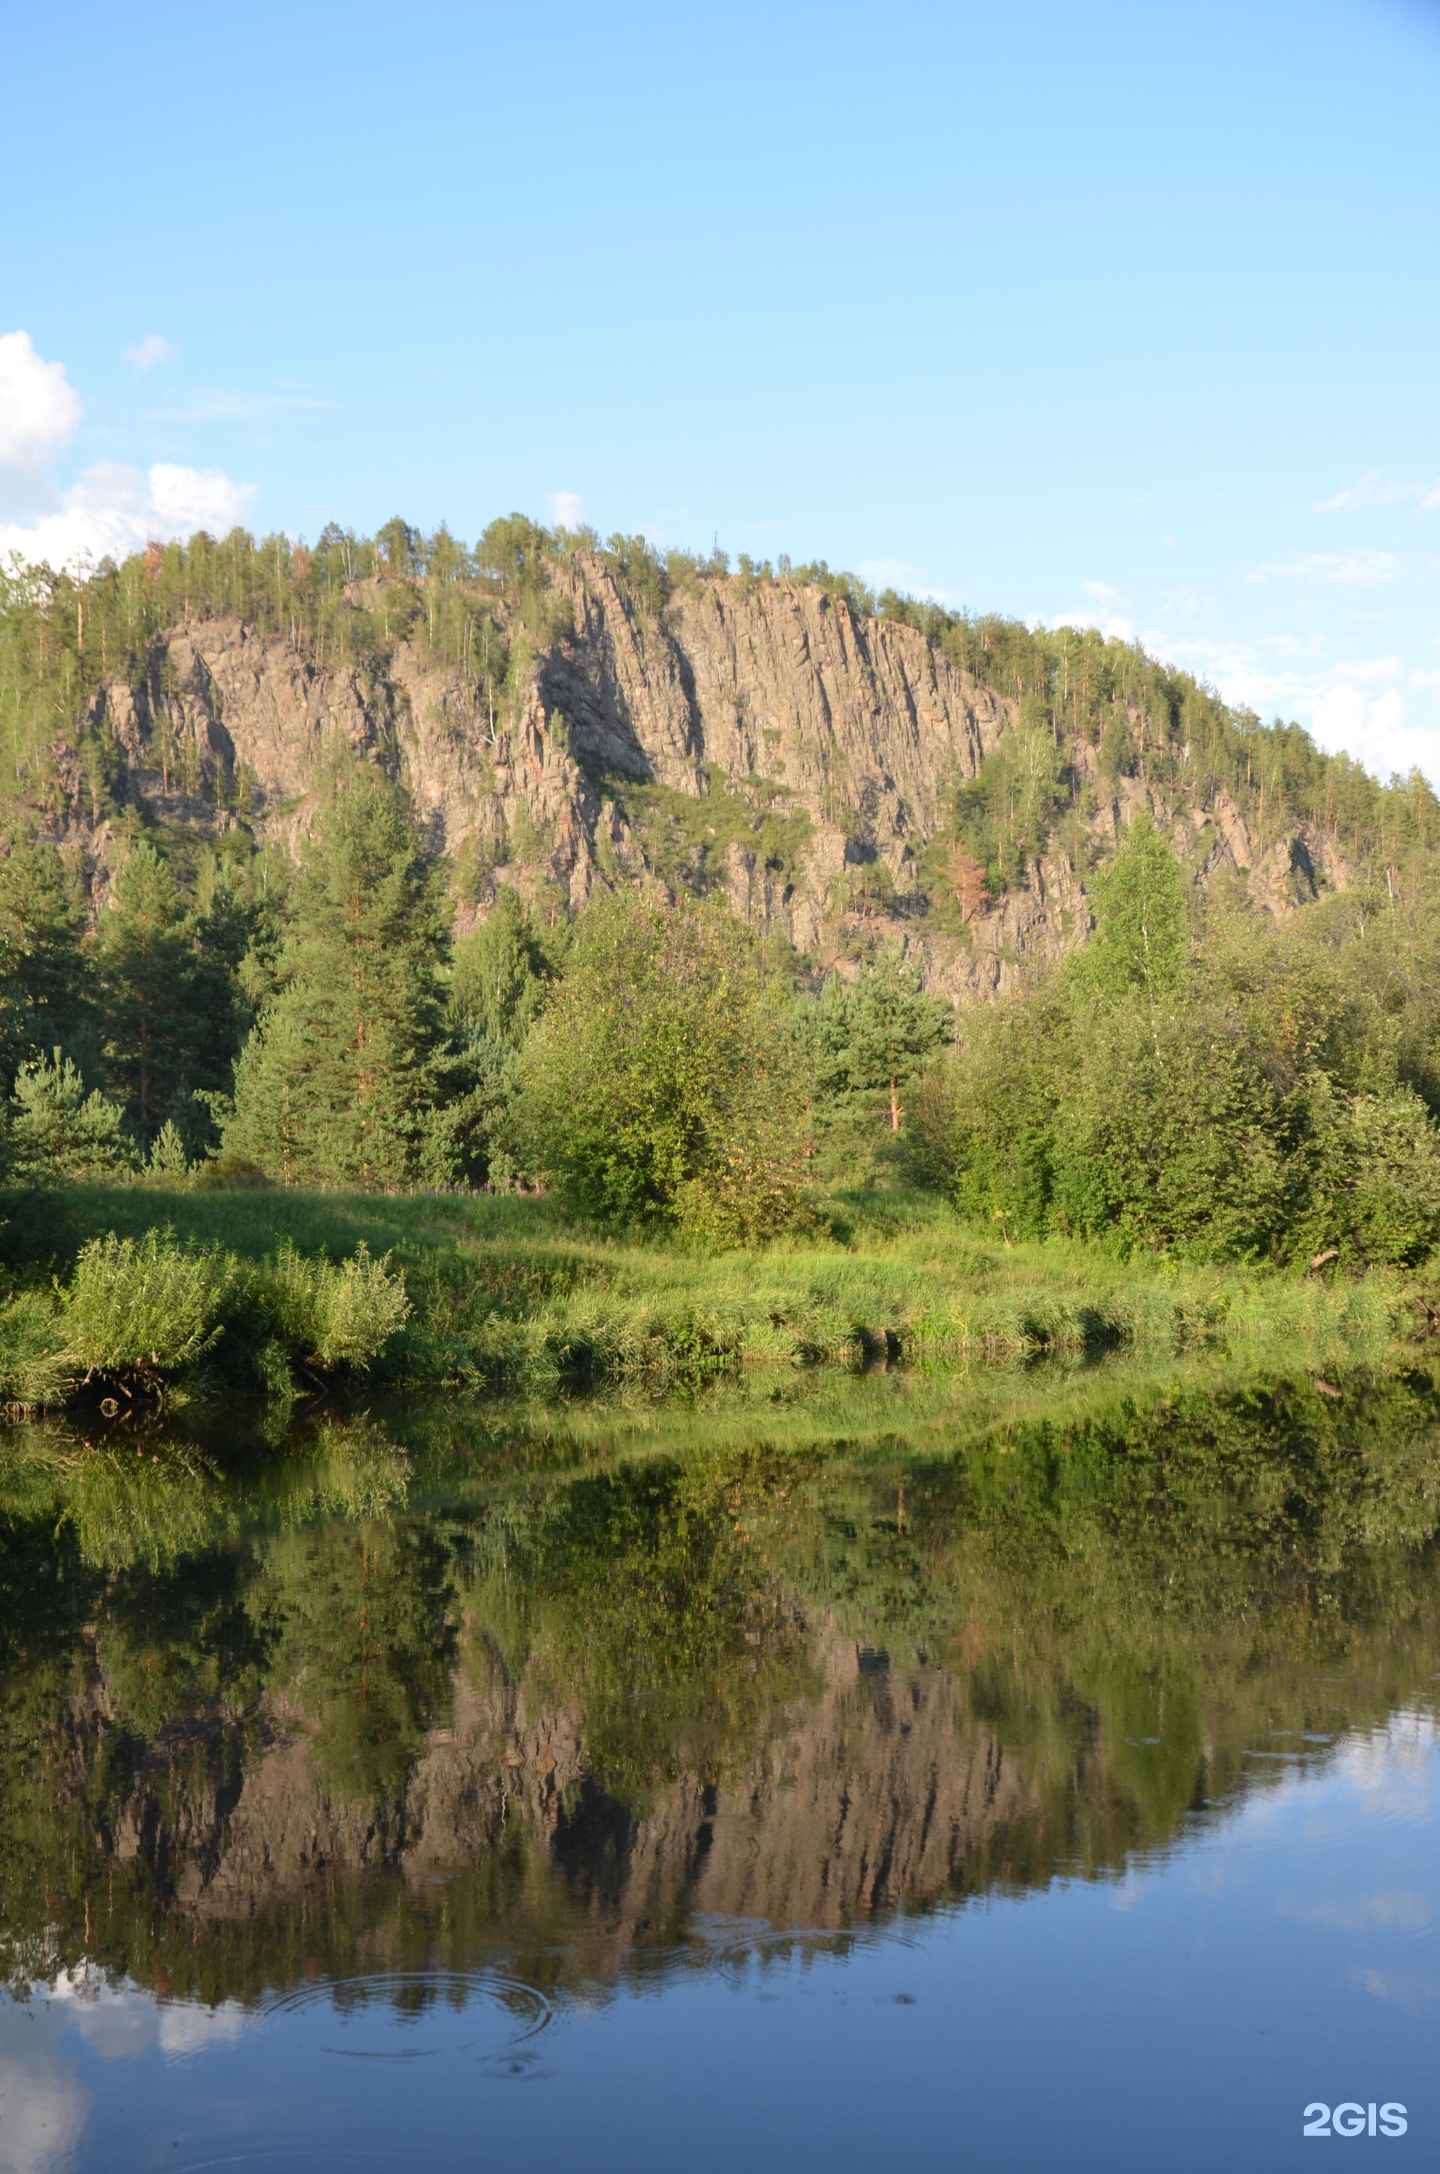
{"x": 226, "y": 1003}
{"x": 1199, "y": 1077}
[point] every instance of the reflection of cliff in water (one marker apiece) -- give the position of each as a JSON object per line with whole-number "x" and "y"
{"x": 373, "y": 1716}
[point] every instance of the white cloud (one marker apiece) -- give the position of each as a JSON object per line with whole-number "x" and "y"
{"x": 907, "y": 580}
{"x": 1405, "y": 1907}
{"x": 149, "y": 351}
{"x": 1351, "y": 570}
{"x": 1372, "y": 728}
{"x": 1373, "y": 489}
{"x": 119, "y": 2022}
{"x": 1404, "y": 1988}
{"x": 111, "y": 510}
{"x": 1370, "y": 671}
{"x": 233, "y": 407}
{"x": 1114, "y": 628}
{"x": 1098, "y": 615}
{"x": 44, "y": 2108}
{"x": 186, "y": 2026}
{"x": 567, "y": 507}
{"x": 1242, "y": 674}
{"x": 1358, "y": 705}
{"x": 1187, "y": 602}
{"x": 39, "y": 409}
{"x": 185, "y": 499}
{"x": 1376, "y": 489}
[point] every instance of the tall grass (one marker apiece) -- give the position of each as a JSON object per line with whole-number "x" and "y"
{"x": 498, "y": 1294}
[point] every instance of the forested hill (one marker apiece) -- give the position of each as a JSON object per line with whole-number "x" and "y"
{"x": 567, "y": 714}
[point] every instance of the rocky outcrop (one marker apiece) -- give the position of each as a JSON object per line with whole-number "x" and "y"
{"x": 848, "y": 733}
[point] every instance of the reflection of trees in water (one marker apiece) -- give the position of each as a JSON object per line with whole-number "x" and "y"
{"x": 635, "y": 1599}
{"x": 364, "y": 1646}
{"x": 324, "y": 1715}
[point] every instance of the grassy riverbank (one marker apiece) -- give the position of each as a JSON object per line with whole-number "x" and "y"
{"x": 504, "y": 1295}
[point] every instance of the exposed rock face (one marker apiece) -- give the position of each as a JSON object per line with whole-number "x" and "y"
{"x": 853, "y": 728}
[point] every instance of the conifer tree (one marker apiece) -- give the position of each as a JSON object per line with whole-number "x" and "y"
{"x": 271, "y": 1122}
{"x": 168, "y": 1157}
{"x": 872, "y": 1037}
{"x": 166, "y": 1001}
{"x": 340, "y": 1080}
{"x": 42, "y": 992}
{"x": 58, "y": 1131}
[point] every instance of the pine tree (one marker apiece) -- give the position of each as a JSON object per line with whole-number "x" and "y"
{"x": 168, "y": 1158}
{"x": 42, "y": 972}
{"x": 871, "y": 1038}
{"x": 340, "y": 1080}
{"x": 59, "y": 1131}
{"x": 168, "y": 1007}
{"x": 271, "y": 1121}
{"x": 895, "y": 1029}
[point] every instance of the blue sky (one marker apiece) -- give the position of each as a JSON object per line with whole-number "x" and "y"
{"x": 1125, "y": 313}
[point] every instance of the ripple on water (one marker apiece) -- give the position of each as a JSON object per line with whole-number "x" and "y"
{"x": 370, "y": 2017}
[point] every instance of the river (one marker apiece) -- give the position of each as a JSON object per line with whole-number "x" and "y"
{"x": 829, "y": 1780}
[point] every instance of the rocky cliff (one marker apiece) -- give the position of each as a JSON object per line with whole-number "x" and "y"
{"x": 768, "y": 736}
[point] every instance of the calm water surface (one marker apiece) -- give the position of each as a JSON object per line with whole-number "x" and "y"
{"x": 809, "y": 1784}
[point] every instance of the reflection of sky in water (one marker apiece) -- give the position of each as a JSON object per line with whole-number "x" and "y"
{"x": 43, "y": 2109}
{"x": 44, "y": 2104}
{"x": 1282, "y": 1952}
{"x": 119, "y": 2021}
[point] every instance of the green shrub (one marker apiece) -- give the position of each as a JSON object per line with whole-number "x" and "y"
{"x": 139, "y": 1310}
{"x": 230, "y": 1172}
{"x": 1171, "y": 1137}
{"x": 1375, "y": 1190}
{"x": 330, "y": 1315}
{"x": 34, "y": 1369}
{"x": 1264, "y": 1096}
{"x": 143, "y": 1308}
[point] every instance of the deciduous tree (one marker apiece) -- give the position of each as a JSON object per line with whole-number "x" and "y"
{"x": 660, "y": 1083}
